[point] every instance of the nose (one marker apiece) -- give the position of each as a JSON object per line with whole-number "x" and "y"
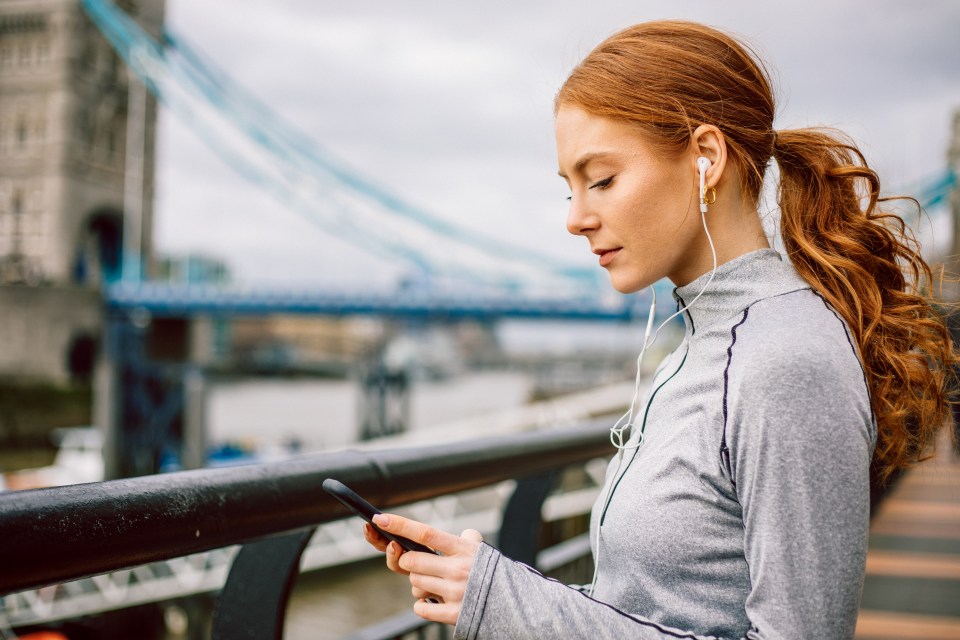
{"x": 580, "y": 221}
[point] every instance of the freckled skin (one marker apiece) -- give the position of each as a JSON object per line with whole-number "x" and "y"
{"x": 649, "y": 209}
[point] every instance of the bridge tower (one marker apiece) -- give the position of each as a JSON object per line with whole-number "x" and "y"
{"x": 63, "y": 161}
{"x": 65, "y": 110}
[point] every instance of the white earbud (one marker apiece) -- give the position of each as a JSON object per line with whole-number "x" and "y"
{"x": 702, "y": 165}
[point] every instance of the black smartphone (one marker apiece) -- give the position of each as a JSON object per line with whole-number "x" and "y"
{"x": 365, "y": 510}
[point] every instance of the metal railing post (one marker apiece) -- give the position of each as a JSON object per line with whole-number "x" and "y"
{"x": 253, "y": 603}
{"x": 522, "y": 523}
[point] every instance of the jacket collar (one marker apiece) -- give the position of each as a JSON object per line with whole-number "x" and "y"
{"x": 735, "y": 286}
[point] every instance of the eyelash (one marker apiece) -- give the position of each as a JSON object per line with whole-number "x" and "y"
{"x": 601, "y": 185}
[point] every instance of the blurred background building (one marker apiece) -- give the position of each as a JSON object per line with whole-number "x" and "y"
{"x": 67, "y": 174}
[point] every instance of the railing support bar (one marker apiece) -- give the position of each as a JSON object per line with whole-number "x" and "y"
{"x": 253, "y": 603}
{"x": 522, "y": 523}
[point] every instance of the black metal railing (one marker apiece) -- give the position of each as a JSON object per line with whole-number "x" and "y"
{"x": 65, "y": 533}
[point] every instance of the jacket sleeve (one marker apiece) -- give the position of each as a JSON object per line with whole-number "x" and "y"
{"x": 508, "y": 599}
{"x": 801, "y": 436}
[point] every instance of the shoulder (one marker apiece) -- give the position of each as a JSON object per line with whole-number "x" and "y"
{"x": 794, "y": 333}
{"x": 792, "y": 354}
{"x": 794, "y": 384}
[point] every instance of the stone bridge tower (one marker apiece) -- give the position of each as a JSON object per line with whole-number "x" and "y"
{"x": 64, "y": 98}
{"x": 63, "y": 160}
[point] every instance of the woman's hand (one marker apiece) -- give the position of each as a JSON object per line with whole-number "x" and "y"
{"x": 443, "y": 578}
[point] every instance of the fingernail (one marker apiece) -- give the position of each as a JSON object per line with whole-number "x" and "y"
{"x": 381, "y": 520}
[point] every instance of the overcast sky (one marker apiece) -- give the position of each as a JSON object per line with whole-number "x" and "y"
{"x": 448, "y": 104}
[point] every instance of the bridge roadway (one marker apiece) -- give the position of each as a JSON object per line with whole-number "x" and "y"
{"x": 179, "y": 301}
{"x": 912, "y": 588}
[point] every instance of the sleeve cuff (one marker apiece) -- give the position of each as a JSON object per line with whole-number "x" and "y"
{"x": 475, "y": 596}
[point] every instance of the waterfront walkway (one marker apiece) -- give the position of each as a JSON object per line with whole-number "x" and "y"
{"x": 912, "y": 590}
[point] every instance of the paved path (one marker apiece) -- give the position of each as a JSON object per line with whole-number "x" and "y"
{"x": 912, "y": 590}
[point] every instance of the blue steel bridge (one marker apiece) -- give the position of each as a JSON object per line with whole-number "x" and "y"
{"x": 461, "y": 273}
{"x": 457, "y": 273}
{"x": 172, "y": 301}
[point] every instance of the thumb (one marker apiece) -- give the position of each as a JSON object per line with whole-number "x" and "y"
{"x": 472, "y": 535}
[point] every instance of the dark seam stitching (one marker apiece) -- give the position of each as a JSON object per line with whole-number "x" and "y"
{"x": 647, "y": 623}
{"x": 643, "y": 426}
{"x": 686, "y": 311}
{"x": 724, "y": 451}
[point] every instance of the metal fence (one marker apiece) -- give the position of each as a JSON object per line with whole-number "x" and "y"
{"x": 60, "y": 534}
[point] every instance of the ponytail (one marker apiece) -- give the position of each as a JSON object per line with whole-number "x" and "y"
{"x": 867, "y": 266}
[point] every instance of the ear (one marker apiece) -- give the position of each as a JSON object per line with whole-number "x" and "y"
{"x": 708, "y": 141}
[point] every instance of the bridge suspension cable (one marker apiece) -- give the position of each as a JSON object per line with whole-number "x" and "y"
{"x": 284, "y": 161}
{"x": 287, "y": 164}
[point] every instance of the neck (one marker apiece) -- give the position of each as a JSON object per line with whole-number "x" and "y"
{"x": 735, "y": 231}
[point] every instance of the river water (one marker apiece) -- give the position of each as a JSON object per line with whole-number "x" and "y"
{"x": 332, "y": 603}
{"x": 323, "y": 414}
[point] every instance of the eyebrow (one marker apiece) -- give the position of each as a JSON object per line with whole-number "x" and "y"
{"x": 584, "y": 161}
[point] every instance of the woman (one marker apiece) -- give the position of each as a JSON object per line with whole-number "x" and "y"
{"x": 738, "y": 504}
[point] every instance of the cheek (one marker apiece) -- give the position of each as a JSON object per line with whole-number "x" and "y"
{"x": 647, "y": 215}
{"x": 671, "y": 206}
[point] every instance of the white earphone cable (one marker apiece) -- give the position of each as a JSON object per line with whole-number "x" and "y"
{"x": 618, "y": 429}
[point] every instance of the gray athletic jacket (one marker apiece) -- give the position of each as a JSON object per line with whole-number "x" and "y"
{"x": 744, "y": 513}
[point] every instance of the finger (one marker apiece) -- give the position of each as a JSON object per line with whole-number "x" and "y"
{"x": 435, "y": 586}
{"x": 431, "y": 564}
{"x": 445, "y": 612}
{"x": 453, "y": 567}
{"x": 394, "y": 553}
{"x": 471, "y": 535}
{"x": 445, "y": 543}
{"x": 373, "y": 537}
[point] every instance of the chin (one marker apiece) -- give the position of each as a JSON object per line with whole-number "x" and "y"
{"x": 628, "y": 285}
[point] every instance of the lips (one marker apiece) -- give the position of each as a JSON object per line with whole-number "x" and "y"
{"x": 607, "y": 255}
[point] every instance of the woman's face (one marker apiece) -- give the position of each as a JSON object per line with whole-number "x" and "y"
{"x": 636, "y": 205}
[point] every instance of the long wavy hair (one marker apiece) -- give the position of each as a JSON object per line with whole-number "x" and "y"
{"x": 668, "y": 77}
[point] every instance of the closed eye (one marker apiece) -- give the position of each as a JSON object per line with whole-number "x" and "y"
{"x": 602, "y": 184}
